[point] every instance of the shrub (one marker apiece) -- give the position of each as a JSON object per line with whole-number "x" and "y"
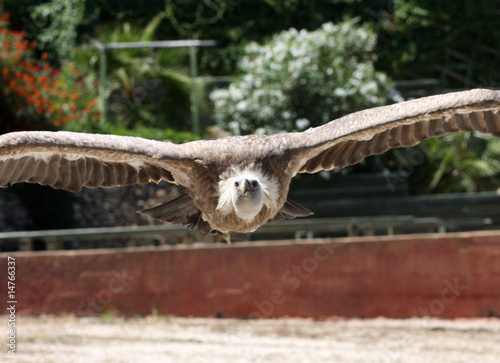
{"x": 147, "y": 87}
{"x": 35, "y": 95}
{"x": 55, "y": 25}
{"x": 301, "y": 79}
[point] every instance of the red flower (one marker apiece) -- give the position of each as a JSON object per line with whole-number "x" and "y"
{"x": 36, "y": 93}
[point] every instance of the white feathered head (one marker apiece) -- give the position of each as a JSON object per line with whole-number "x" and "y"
{"x": 245, "y": 190}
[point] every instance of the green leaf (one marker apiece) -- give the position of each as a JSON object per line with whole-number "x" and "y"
{"x": 149, "y": 32}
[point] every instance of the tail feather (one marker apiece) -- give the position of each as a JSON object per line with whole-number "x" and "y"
{"x": 291, "y": 210}
{"x": 182, "y": 210}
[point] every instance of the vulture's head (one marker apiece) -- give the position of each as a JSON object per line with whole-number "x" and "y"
{"x": 245, "y": 192}
{"x": 247, "y": 198}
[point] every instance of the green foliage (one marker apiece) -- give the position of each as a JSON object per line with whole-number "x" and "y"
{"x": 146, "y": 87}
{"x": 418, "y": 32}
{"x": 463, "y": 162}
{"x": 35, "y": 95}
{"x": 301, "y": 79}
{"x": 412, "y": 34}
{"x": 56, "y": 23}
{"x": 234, "y": 23}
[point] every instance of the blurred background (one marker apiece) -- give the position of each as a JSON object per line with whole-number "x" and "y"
{"x": 259, "y": 67}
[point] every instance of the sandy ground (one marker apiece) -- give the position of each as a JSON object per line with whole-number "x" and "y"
{"x": 167, "y": 339}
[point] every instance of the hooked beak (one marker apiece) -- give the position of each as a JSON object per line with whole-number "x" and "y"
{"x": 245, "y": 187}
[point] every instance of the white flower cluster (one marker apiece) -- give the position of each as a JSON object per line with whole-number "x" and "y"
{"x": 301, "y": 79}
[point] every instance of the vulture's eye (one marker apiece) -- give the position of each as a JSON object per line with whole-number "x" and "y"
{"x": 254, "y": 183}
{"x": 236, "y": 184}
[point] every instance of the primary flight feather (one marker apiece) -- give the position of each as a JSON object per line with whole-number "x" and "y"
{"x": 238, "y": 183}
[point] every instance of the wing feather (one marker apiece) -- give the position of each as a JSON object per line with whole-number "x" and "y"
{"x": 350, "y": 139}
{"x": 70, "y": 161}
{"x": 73, "y": 160}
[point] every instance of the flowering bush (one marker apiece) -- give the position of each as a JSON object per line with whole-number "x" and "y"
{"x": 300, "y": 79}
{"x": 34, "y": 95}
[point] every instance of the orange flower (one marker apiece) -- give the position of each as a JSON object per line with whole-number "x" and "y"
{"x": 43, "y": 55}
{"x": 18, "y": 45}
{"x": 74, "y": 96}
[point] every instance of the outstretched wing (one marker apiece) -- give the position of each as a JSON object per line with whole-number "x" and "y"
{"x": 70, "y": 161}
{"x": 350, "y": 139}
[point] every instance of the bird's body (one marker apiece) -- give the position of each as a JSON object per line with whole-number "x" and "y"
{"x": 238, "y": 183}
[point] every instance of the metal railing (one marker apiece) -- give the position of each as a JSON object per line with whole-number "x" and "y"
{"x": 298, "y": 229}
{"x": 192, "y": 44}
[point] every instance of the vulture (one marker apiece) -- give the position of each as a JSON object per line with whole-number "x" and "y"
{"x": 238, "y": 183}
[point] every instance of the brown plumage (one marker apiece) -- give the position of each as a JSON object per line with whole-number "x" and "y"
{"x": 71, "y": 161}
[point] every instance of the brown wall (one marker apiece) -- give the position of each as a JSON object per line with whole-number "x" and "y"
{"x": 454, "y": 275}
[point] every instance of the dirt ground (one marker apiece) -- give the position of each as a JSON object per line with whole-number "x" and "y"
{"x": 168, "y": 339}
